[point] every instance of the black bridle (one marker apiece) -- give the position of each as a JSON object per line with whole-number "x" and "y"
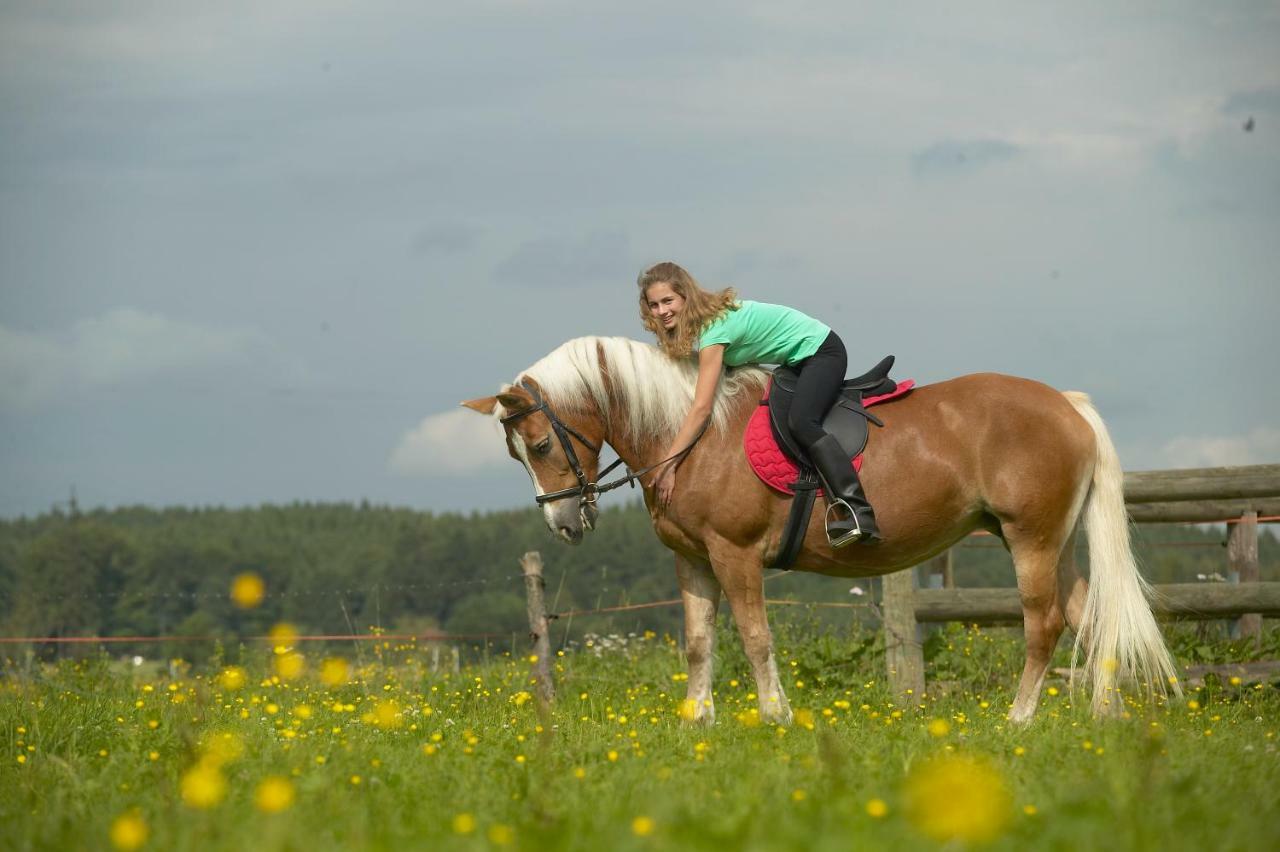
{"x": 586, "y": 491}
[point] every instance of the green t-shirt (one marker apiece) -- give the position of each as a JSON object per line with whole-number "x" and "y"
{"x": 761, "y": 333}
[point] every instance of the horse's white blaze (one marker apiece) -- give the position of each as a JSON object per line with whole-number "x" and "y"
{"x": 548, "y": 510}
{"x": 517, "y": 443}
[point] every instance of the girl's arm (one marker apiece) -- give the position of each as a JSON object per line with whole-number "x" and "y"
{"x": 710, "y": 365}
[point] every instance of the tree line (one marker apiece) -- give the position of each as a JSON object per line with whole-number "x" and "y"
{"x": 337, "y": 568}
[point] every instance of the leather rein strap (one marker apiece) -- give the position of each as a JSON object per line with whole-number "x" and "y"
{"x": 586, "y": 491}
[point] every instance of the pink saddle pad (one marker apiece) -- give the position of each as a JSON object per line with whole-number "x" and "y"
{"x": 774, "y": 467}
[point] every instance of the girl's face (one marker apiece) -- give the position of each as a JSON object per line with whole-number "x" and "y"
{"x": 665, "y": 304}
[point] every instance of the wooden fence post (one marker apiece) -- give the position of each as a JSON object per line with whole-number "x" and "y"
{"x": 545, "y": 688}
{"x": 940, "y": 571}
{"x": 1242, "y": 554}
{"x": 903, "y": 654}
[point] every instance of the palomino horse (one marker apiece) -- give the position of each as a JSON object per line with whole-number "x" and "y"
{"x": 1008, "y": 455}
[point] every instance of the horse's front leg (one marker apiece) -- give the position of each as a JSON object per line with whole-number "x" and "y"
{"x": 742, "y": 575}
{"x": 701, "y": 593}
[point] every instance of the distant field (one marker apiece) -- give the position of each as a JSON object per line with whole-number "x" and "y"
{"x": 289, "y": 752}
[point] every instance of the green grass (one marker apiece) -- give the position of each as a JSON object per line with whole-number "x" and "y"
{"x": 100, "y": 741}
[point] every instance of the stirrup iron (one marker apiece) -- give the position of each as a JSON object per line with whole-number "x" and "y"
{"x": 846, "y": 537}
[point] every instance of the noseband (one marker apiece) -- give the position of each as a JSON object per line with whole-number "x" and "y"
{"x": 586, "y": 491}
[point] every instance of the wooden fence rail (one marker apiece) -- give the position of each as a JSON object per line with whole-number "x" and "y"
{"x": 1183, "y": 601}
{"x": 1206, "y": 483}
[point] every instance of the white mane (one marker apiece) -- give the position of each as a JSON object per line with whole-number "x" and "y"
{"x": 654, "y": 390}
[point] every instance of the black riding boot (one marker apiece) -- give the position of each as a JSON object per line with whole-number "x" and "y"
{"x": 849, "y": 515}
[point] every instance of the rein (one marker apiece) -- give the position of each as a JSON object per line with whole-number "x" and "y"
{"x": 586, "y": 491}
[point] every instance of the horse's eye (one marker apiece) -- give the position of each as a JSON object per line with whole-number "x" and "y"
{"x": 543, "y": 447}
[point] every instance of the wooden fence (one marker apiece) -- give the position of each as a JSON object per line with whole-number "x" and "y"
{"x": 1239, "y": 496}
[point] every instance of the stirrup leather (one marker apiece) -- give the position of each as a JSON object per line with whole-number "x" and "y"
{"x": 842, "y": 538}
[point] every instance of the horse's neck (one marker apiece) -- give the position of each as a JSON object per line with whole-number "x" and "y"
{"x": 641, "y": 451}
{"x": 636, "y": 453}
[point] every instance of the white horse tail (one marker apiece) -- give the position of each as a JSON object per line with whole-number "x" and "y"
{"x": 1120, "y": 633}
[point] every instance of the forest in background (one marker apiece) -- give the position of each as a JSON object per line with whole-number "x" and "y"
{"x": 340, "y": 568}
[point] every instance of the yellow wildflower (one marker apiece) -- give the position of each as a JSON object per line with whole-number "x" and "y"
{"x": 203, "y": 786}
{"x": 335, "y": 671}
{"x": 274, "y": 794}
{"x": 233, "y": 678}
{"x": 386, "y": 714}
{"x": 290, "y": 665}
{"x": 283, "y": 633}
{"x": 247, "y": 590}
{"x": 129, "y": 831}
{"x": 956, "y": 797}
{"x": 221, "y": 748}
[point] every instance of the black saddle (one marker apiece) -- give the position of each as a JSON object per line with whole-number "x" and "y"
{"x": 847, "y": 419}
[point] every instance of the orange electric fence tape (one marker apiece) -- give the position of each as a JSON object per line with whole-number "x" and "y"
{"x": 368, "y": 637}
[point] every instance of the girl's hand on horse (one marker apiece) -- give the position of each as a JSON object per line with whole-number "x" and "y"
{"x": 664, "y": 485}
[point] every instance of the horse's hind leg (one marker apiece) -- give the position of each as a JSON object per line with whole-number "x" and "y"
{"x": 1072, "y": 588}
{"x": 1037, "y": 564}
{"x": 700, "y": 591}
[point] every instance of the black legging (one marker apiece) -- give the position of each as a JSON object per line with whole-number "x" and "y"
{"x": 821, "y": 375}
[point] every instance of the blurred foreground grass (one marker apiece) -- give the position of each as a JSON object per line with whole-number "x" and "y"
{"x": 293, "y": 751}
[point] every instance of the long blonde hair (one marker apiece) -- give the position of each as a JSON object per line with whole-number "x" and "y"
{"x": 700, "y": 307}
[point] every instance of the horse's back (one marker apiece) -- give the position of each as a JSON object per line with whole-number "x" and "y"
{"x": 985, "y": 438}
{"x": 972, "y": 405}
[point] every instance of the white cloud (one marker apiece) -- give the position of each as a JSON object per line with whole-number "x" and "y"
{"x": 454, "y": 442}
{"x": 121, "y": 346}
{"x": 1260, "y": 446}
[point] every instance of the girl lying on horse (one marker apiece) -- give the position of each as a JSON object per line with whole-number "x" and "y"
{"x": 726, "y": 331}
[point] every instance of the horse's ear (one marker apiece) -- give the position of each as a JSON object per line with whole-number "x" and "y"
{"x": 515, "y": 399}
{"x": 484, "y": 405}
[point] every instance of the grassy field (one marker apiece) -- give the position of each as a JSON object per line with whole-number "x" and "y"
{"x": 293, "y": 752}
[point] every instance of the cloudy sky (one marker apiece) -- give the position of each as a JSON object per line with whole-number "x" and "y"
{"x": 258, "y": 251}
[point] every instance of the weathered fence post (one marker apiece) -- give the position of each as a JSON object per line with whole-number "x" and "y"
{"x": 1242, "y": 554}
{"x": 903, "y": 654}
{"x": 531, "y": 564}
{"x": 941, "y": 571}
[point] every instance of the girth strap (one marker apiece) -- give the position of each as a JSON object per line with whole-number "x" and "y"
{"x": 806, "y": 489}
